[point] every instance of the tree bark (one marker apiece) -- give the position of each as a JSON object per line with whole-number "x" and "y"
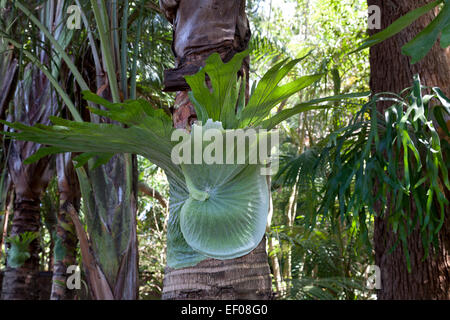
{"x": 276, "y": 270}
{"x": 29, "y": 182}
{"x": 291, "y": 215}
{"x": 65, "y": 231}
{"x": 112, "y": 247}
{"x": 392, "y": 71}
{"x": 21, "y": 283}
{"x": 8, "y": 207}
{"x": 244, "y": 278}
{"x": 69, "y": 193}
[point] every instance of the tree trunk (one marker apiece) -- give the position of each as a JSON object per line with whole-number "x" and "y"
{"x": 66, "y": 238}
{"x": 392, "y": 71}
{"x": 111, "y": 193}
{"x": 8, "y": 207}
{"x": 244, "y": 278}
{"x": 65, "y": 231}
{"x": 276, "y": 270}
{"x": 291, "y": 215}
{"x": 21, "y": 283}
{"x": 34, "y": 96}
{"x": 199, "y": 31}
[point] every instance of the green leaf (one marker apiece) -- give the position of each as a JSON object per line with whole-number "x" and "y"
{"x": 438, "y": 114}
{"x": 225, "y": 100}
{"x": 443, "y": 99}
{"x": 398, "y": 25}
{"x": 57, "y": 46}
{"x": 90, "y": 96}
{"x": 18, "y": 253}
{"x": 148, "y": 134}
{"x": 100, "y": 159}
{"x": 220, "y": 103}
{"x": 59, "y": 250}
{"x": 41, "y": 153}
{"x": 309, "y": 105}
{"x": 277, "y": 95}
{"x": 424, "y": 41}
{"x": 231, "y": 222}
{"x": 371, "y": 151}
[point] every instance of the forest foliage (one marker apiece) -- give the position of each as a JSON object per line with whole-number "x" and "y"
{"x": 306, "y": 79}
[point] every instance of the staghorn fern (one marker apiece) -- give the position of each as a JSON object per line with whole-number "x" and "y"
{"x": 400, "y": 152}
{"x": 198, "y": 227}
{"x": 18, "y": 253}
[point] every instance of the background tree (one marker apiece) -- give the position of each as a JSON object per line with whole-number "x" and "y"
{"x": 65, "y": 252}
{"x": 391, "y": 71}
{"x": 34, "y": 102}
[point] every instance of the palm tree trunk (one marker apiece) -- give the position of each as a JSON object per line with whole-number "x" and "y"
{"x": 66, "y": 238}
{"x": 244, "y": 278}
{"x": 29, "y": 182}
{"x": 392, "y": 71}
{"x": 8, "y": 207}
{"x": 110, "y": 255}
{"x": 65, "y": 231}
{"x": 276, "y": 270}
{"x": 34, "y": 102}
{"x": 21, "y": 283}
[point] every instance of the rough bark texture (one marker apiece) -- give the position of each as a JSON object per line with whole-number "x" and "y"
{"x": 275, "y": 264}
{"x": 291, "y": 215}
{"x": 21, "y": 283}
{"x": 109, "y": 247}
{"x": 44, "y": 284}
{"x": 6, "y": 84}
{"x": 8, "y": 207}
{"x": 391, "y": 71}
{"x": 276, "y": 270}
{"x": 246, "y": 278}
{"x": 34, "y": 103}
{"x": 200, "y": 30}
{"x": 69, "y": 192}
{"x": 65, "y": 231}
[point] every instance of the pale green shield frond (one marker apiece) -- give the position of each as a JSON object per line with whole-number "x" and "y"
{"x": 231, "y": 221}
{"x": 225, "y": 214}
{"x": 179, "y": 253}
